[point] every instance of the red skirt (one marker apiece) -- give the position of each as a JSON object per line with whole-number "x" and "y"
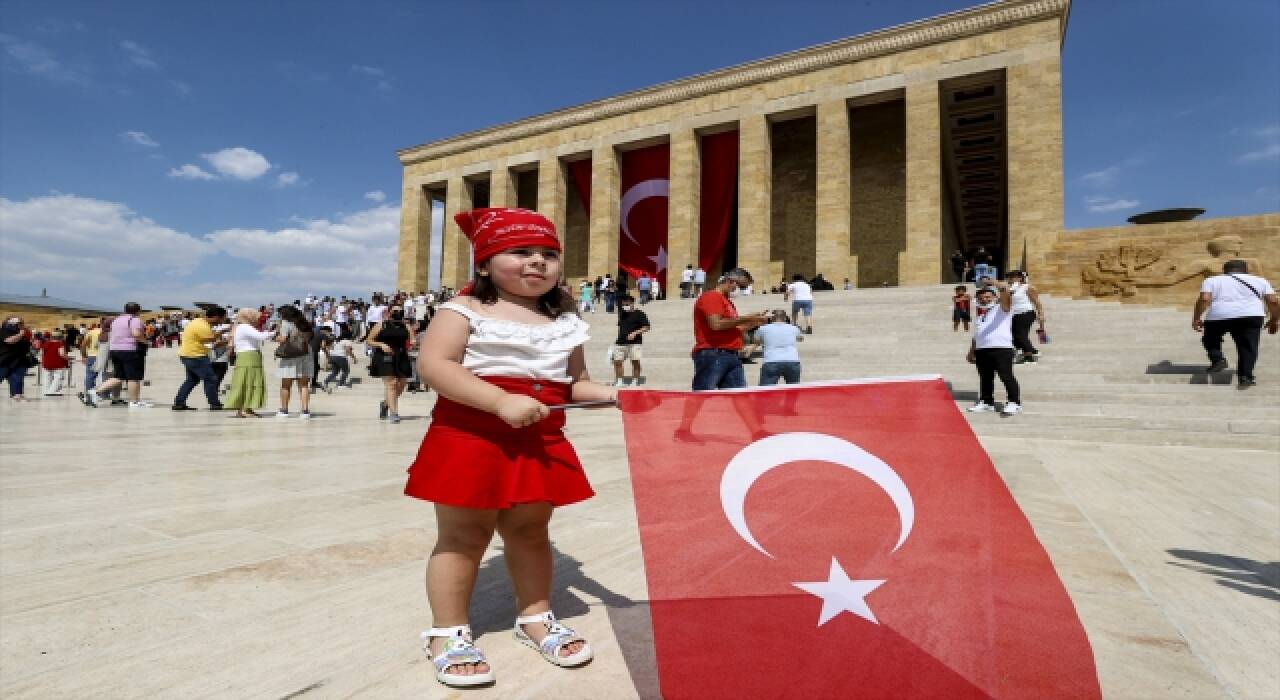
{"x": 472, "y": 459}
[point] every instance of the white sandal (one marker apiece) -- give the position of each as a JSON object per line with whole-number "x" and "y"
{"x": 458, "y": 649}
{"x": 557, "y": 637}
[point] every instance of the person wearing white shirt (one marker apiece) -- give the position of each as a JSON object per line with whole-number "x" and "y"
{"x": 699, "y": 281}
{"x": 248, "y": 383}
{"x": 801, "y": 296}
{"x": 377, "y": 311}
{"x": 686, "y": 282}
{"x": 992, "y": 350}
{"x": 1237, "y": 303}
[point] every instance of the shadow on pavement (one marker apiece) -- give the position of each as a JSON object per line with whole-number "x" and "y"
{"x": 493, "y": 610}
{"x": 1197, "y": 372}
{"x": 1256, "y": 578}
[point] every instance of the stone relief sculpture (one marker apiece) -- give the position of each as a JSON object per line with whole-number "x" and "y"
{"x": 1120, "y": 271}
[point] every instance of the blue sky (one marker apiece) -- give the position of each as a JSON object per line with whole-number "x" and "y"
{"x": 245, "y": 151}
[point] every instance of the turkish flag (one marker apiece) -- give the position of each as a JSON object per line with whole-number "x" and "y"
{"x": 645, "y": 177}
{"x": 841, "y": 540}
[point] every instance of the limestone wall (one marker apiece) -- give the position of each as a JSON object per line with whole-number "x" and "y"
{"x": 1157, "y": 264}
{"x": 795, "y": 190}
{"x": 878, "y": 180}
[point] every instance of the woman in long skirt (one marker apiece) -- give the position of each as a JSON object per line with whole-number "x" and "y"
{"x": 248, "y": 383}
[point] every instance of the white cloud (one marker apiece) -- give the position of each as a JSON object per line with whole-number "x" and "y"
{"x": 34, "y": 59}
{"x": 93, "y": 250}
{"x": 1099, "y": 205}
{"x": 377, "y": 75}
{"x": 1099, "y": 178}
{"x": 1271, "y": 131}
{"x": 287, "y": 179}
{"x": 138, "y": 56}
{"x": 376, "y": 196}
{"x": 180, "y": 87}
{"x": 1270, "y": 151}
{"x": 89, "y": 247}
{"x": 191, "y": 172}
{"x": 140, "y": 138}
{"x": 354, "y": 252}
{"x": 239, "y": 163}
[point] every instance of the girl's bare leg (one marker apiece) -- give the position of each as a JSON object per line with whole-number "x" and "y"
{"x": 464, "y": 535}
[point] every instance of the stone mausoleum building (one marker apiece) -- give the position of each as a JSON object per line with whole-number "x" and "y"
{"x": 871, "y": 158}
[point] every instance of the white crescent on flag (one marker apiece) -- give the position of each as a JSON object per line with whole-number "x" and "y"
{"x": 754, "y": 460}
{"x": 640, "y": 191}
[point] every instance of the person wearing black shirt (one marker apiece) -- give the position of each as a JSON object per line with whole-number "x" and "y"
{"x": 15, "y": 356}
{"x": 632, "y": 325}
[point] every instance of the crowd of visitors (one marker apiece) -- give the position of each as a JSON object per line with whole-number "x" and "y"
{"x": 331, "y": 332}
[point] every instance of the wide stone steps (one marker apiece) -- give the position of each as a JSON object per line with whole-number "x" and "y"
{"x": 1112, "y": 373}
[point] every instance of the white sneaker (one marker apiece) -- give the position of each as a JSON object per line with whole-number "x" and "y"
{"x": 619, "y": 382}
{"x": 1011, "y": 408}
{"x": 282, "y": 414}
{"x": 981, "y": 407}
{"x": 305, "y": 415}
{"x": 140, "y": 404}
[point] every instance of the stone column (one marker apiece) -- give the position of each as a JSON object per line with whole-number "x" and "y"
{"x": 833, "y": 215}
{"x": 755, "y": 191}
{"x": 603, "y": 248}
{"x": 415, "y": 238}
{"x": 551, "y": 191}
{"x": 1033, "y": 113}
{"x": 456, "y": 251}
{"x": 683, "y": 205}
{"x": 502, "y": 187}
{"x": 921, "y": 262}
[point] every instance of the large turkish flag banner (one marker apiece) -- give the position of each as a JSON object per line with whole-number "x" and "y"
{"x": 645, "y": 177}
{"x": 847, "y": 540}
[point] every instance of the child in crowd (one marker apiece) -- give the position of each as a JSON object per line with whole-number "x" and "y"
{"x": 53, "y": 359}
{"x": 495, "y": 458}
{"x": 960, "y": 303}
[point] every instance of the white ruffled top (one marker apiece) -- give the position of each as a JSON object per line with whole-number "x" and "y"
{"x": 501, "y": 348}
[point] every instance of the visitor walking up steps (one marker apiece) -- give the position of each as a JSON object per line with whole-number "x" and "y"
{"x": 800, "y": 293}
{"x": 992, "y": 350}
{"x": 1235, "y": 302}
{"x": 501, "y": 355}
{"x": 1026, "y": 311}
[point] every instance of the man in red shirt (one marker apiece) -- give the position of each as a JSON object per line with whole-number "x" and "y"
{"x": 717, "y": 334}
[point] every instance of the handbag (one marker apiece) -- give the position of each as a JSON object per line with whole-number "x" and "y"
{"x": 296, "y": 344}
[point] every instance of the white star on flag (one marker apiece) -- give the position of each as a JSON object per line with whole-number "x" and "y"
{"x": 839, "y": 594}
{"x": 660, "y": 259}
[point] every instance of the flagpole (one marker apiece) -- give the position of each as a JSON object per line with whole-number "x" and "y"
{"x": 585, "y": 404}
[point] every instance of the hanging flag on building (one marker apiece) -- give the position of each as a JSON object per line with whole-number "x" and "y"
{"x": 717, "y": 201}
{"x": 642, "y": 247}
{"x": 841, "y": 540}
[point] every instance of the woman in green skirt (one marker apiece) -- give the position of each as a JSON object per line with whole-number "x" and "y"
{"x": 248, "y": 384}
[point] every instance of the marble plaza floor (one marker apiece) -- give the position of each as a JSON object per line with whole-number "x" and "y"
{"x": 154, "y": 554}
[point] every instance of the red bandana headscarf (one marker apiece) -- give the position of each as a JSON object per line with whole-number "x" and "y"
{"x": 494, "y": 230}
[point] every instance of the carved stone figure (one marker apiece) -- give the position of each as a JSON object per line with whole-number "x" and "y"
{"x": 1123, "y": 269}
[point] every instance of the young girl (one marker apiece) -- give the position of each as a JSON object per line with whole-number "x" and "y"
{"x": 495, "y": 457}
{"x": 960, "y": 302}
